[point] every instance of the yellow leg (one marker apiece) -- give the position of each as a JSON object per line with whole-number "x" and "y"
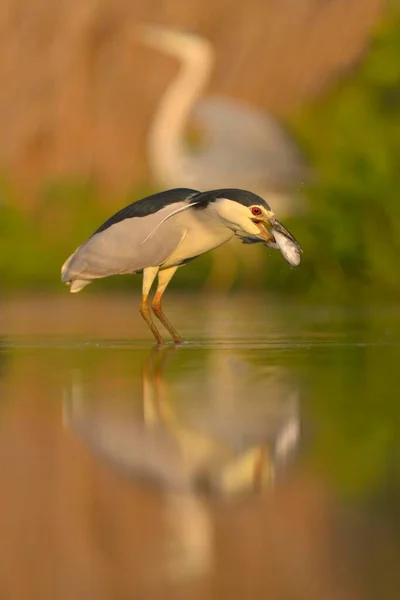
{"x": 149, "y": 275}
{"x": 164, "y": 277}
{"x": 260, "y": 474}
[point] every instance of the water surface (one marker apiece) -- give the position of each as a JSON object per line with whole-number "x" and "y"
{"x": 260, "y": 459}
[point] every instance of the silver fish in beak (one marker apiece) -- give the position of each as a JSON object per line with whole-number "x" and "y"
{"x": 286, "y": 243}
{"x": 280, "y": 238}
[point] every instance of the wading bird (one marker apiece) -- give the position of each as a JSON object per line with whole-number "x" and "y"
{"x": 241, "y": 146}
{"x": 158, "y": 234}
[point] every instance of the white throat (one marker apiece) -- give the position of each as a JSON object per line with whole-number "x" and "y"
{"x": 236, "y": 216}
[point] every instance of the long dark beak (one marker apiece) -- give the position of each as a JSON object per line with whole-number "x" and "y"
{"x": 281, "y": 229}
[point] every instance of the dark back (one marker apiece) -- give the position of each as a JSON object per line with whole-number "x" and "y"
{"x": 149, "y": 205}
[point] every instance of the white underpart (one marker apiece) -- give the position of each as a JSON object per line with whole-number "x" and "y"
{"x": 289, "y": 249}
{"x": 202, "y": 233}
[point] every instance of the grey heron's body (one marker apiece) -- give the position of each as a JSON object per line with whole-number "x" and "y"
{"x": 245, "y": 147}
{"x": 156, "y": 235}
{"x": 241, "y": 146}
{"x": 115, "y": 251}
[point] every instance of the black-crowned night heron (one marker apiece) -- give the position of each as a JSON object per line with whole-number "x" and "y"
{"x": 162, "y": 232}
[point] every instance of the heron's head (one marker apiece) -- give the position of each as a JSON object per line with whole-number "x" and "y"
{"x": 175, "y": 42}
{"x": 247, "y": 214}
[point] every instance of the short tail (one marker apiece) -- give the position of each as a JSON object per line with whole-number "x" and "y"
{"x": 67, "y": 277}
{"x": 77, "y": 285}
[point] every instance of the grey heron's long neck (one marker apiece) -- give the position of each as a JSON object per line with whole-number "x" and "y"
{"x": 166, "y": 146}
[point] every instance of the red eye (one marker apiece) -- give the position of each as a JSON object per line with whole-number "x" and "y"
{"x": 256, "y": 211}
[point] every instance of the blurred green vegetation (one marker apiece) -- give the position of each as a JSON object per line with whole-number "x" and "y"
{"x": 353, "y": 140}
{"x": 350, "y": 236}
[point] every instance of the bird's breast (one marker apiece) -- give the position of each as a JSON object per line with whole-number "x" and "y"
{"x": 199, "y": 236}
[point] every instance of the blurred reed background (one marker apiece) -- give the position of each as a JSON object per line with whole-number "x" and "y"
{"x": 79, "y": 90}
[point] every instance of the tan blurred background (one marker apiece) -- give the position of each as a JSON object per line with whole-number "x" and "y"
{"x": 78, "y": 89}
{"x": 79, "y": 93}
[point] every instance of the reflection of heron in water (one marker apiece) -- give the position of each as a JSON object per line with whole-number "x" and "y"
{"x": 199, "y": 447}
{"x": 240, "y": 146}
{"x": 188, "y": 447}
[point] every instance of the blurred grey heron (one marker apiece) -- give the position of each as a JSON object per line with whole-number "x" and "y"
{"x": 241, "y": 146}
{"x": 158, "y": 234}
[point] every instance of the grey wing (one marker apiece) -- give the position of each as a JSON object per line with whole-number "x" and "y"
{"x": 127, "y": 246}
{"x": 242, "y": 138}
